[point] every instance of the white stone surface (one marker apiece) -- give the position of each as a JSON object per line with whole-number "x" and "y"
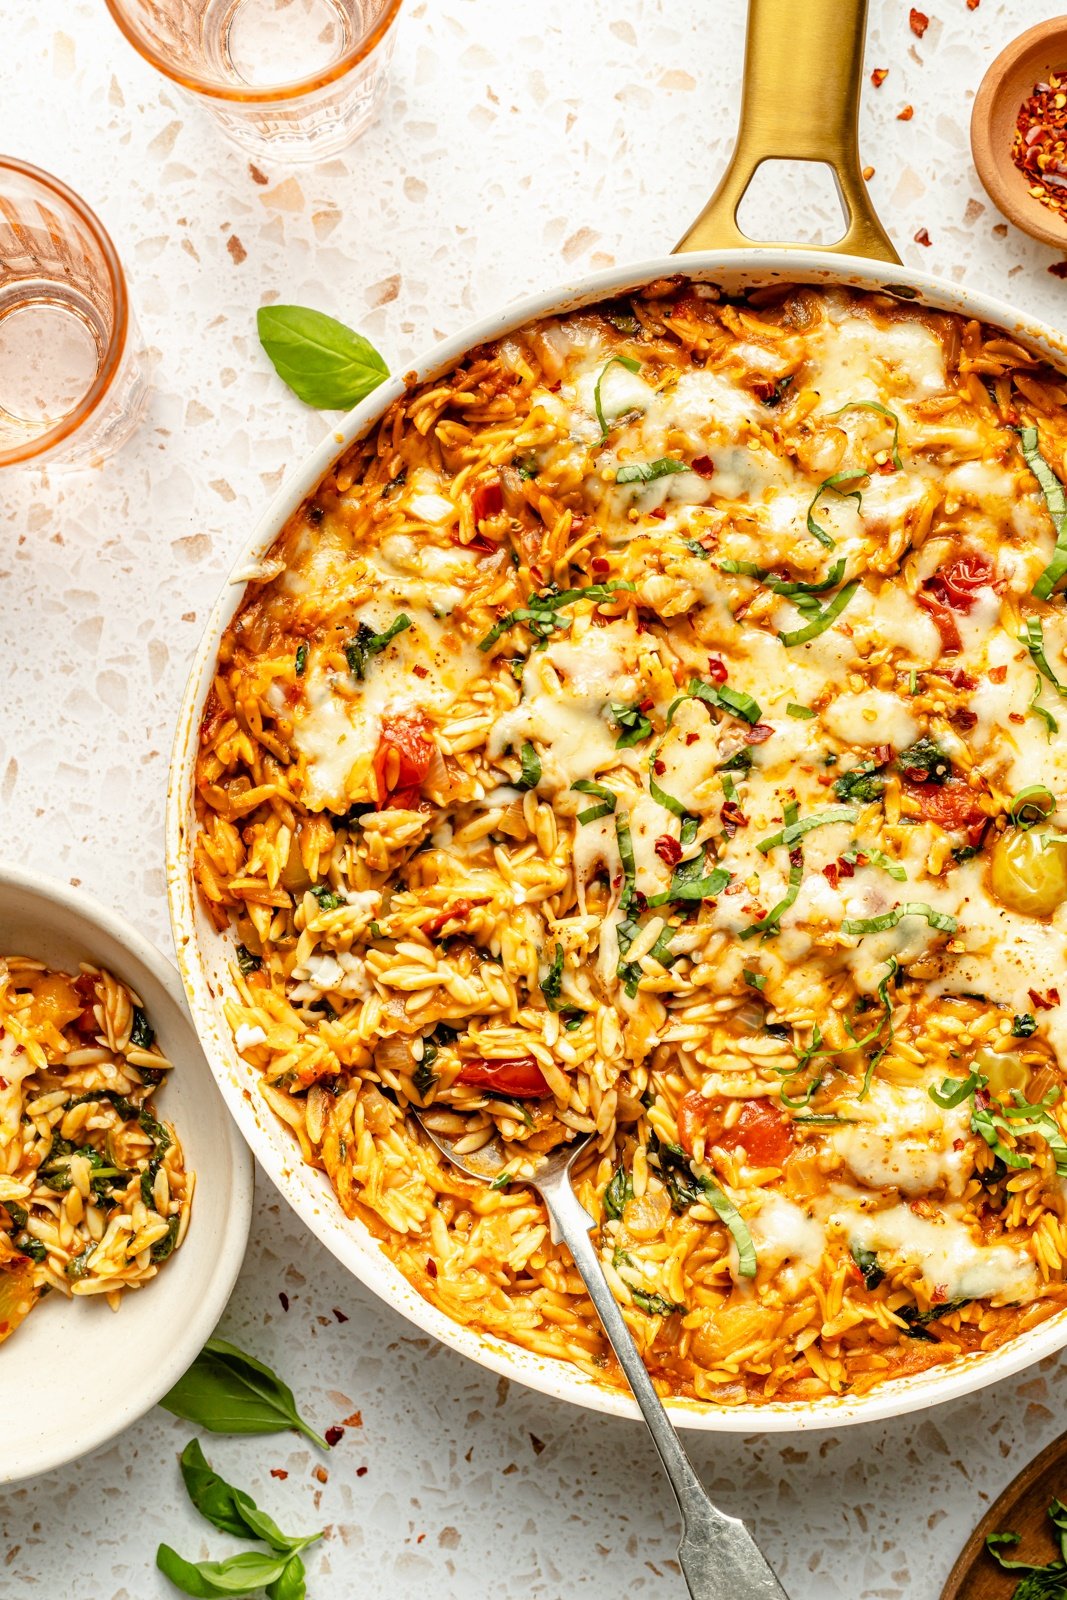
{"x": 519, "y": 145}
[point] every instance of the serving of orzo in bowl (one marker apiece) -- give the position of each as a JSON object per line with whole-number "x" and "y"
{"x": 644, "y": 718}
{"x": 125, "y": 1192}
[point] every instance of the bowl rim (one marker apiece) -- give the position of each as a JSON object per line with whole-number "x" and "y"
{"x": 1000, "y": 177}
{"x": 306, "y": 1190}
{"x": 177, "y": 1353}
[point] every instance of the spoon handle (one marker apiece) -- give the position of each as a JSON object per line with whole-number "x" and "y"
{"x": 718, "y": 1555}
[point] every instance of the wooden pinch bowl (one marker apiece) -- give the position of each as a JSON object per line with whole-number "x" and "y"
{"x": 1010, "y": 80}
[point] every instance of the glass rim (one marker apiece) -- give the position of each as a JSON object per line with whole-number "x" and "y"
{"x": 250, "y": 95}
{"x": 116, "y": 344}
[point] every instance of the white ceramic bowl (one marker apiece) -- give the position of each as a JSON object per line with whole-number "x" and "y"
{"x": 75, "y": 1373}
{"x": 205, "y": 956}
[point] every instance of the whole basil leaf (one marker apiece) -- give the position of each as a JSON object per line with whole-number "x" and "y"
{"x": 210, "y": 1580}
{"x": 326, "y": 364}
{"x": 291, "y": 1585}
{"x": 232, "y": 1510}
{"x": 228, "y": 1391}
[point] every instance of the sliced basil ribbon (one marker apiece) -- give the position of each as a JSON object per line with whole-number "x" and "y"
{"x": 872, "y": 405}
{"x": 833, "y": 483}
{"x": 797, "y": 830}
{"x": 826, "y": 616}
{"x": 1056, "y": 501}
{"x": 608, "y": 797}
{"x": 941, "y": 920}
{"x": 623, "y": 361}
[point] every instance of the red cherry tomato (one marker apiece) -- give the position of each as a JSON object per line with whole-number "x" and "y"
{"x": 487, "y": 500}
{"x": 951, "y": 643}
{"x": 952, "y": 805}
{"x": 955, "y": 585}
{"x": 521, "y": 1077}
{"x": 761, "y": 1130}
{"x": 402, "y": 760}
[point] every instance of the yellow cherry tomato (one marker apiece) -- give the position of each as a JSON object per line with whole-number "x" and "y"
{"x": 1029, "y": 872}
{"x": 1005, "y": 1072}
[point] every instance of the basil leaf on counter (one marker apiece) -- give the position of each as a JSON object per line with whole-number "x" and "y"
{"x": 324, "y": 363}
{"x": 228, "y": 1391}
{"x": 210, "y": 1580}
{"x": 232, "y": 1510}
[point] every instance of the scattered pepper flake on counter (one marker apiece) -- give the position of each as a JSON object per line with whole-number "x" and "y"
{"x": 906, "y": 115}
{"x": 923, "y": 237}
{"x": 868, "y": 174}
{"x": 334, "y": 1435}
{"x": 339, "y": 1315}
{"x": 879, "y": 75}
{"x": 1058, "y": 269}
{"x": 918, "y": 21}
{"x": 1039, "y": 148}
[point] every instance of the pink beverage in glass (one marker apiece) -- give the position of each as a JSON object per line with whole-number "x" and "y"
{"x": 72, "y": 384}
{"x": 288, "y": 80}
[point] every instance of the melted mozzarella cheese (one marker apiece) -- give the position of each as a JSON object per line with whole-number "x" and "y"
{"x": 953, "y": 1265}
{"x": 855, "y": 358}
{"x": 782, "y": 1232}
{"x": 872, "y": 717}
{"x": 898, "y": 1138}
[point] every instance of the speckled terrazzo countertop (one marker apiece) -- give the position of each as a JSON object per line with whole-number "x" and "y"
{"x": 519, "y": 145}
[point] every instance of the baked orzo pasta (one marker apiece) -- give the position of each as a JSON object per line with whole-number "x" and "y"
{"x": 94, "y": 1195}
{"x": 653, "y": 728}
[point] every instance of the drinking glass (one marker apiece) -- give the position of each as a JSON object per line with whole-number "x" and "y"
{"x": 72, "y": 383}
{"x": 288, "y": 80}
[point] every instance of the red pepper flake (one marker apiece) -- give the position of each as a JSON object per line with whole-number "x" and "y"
{"x": 704, "y": 467}
{"x": 334, "y": 1435}
{"x": 847, "y": 869}
{"x": 361, "y": 1472}
{"x": 757, "y": 734}
{"x": 284, "y": 1298}
{"x": 1046, "y": 1001}
{"x": 279, "y": 1472}
{"x": 906, "y": 115}
{"x": 1039, "y": 148}
{"x": 923, "y": 237}
{"x": 646, "y": 704}
{"x": 659, "y": 768}
{"x": 918, "y": 22}
{"x": 960, "y": 679}
{"x": 1016, "y": 716}
{"x": 421, "y": 672}
{"x": 972, "y": 5}
{"x": 958, "y": 1144}
{"x": 718, "y": 671}
{"x": 691, "y": 738}
{"x": 1058, "y": 269}
{"x": 599, "y": 564}
{"x": 431, "y": 1267}
{"x": 659, "y": 513}
{"x": 733, "y": 817}
{"x": 668, "y": 849}
{"x": 881, "y": 754}
{"x": 964, "y": 720}
{"x": 997, "y": 674}
{"x": 879, "y": 75}
{"x": 339, "y": 1315}
{"x": 940, "y": 1294}
{"x": 354, "y": 1421}
{"x": 831, "y": 873}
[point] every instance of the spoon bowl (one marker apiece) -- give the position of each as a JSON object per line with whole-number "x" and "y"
{"x": 717, "y": 1553}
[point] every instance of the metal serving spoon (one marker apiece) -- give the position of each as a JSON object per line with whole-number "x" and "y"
{"x": 720, "y": 1558}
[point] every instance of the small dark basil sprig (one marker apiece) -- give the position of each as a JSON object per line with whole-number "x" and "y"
{"x": 324, "y": 363}
{"x": 227, "y": 1391}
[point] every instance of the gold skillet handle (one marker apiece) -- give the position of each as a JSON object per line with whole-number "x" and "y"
{"x": 800, "y": 102}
